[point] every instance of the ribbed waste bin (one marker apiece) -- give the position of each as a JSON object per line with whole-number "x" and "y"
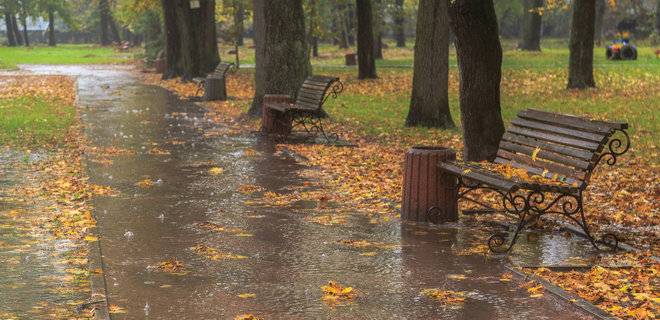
{"x": 429, "y": 195}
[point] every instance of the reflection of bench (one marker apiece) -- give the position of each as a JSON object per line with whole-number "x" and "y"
{"x": 559, "y": 152}
{"x": 214, "y": 84}
{"x": 282, "y": 114}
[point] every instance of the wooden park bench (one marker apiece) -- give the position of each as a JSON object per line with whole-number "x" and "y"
{"x": 282, "y": 114}
{"x": 214, "y": 84}
{"x": 559, "y": 153}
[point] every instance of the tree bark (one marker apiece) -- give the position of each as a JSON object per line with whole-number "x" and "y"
{"x": 378, "y": 30}
{"x": 26, "y": 38}
{"x": 365, "y": 47}
{"x": 531, "y": 26}
{"x": 239, "y": 17}
{"x": 399, "y": 24}
{"x": 429, "y": 104}
{"x": 581, "y": 45}
{"x": 191, "y": 44}
{"x": 17, "y": 34}
{"x": 11, "y": 41}
{"x": 281, "y": 53}
{"x": 114, "y": 31}
{"x": 312, "y": 36}
{"x": 479, "y": 55}
{"x": 51, "y": 27}
{"x": 601, "y": 7}
{"x": 657, "y": 17}
{"x": 104, "y": 7}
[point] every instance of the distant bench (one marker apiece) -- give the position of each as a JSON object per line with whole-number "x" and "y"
{"x": 564, "y": 150}
{"x": 214, "y": 84}
{"x": 282, "y": 114}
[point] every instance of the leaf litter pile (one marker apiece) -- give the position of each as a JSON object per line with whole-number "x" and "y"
{"x": 624, "y": 199}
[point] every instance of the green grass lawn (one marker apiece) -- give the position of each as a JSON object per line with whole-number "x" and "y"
{"x": 34, "y": 122}
{"x": 62, "y": 54}
{"x": 627, "y": 90}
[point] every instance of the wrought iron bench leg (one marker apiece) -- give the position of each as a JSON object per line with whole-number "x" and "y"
{"x": 315, "y": 127}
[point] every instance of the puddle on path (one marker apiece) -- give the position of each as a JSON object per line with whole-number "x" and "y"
{"x": 288, "y": 257}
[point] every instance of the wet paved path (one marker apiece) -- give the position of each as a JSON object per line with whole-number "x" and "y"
{"x": 288, "y": 257}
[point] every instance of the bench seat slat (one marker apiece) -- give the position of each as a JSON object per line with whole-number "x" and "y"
{"x": 577, "y": 134}
{"x": 478, "y": 175}
{"x": 539, "y": 172}
{"x": 554, "y": 138}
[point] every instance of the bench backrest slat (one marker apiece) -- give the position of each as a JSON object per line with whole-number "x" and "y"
{"x": 312, "y": 93}
{"x": 555, "y": 145}
{"x": 221, "y": 69}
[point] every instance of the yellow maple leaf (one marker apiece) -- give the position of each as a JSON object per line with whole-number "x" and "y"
{"x": 216, "y": 171}
{"x": 535, "y": 153}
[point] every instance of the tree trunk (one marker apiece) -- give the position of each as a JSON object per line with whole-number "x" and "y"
{"x": 377, "y": 29}
{"x": 191, "y": 44}
{"x": 171, "y": 39}
{"x": 25, "y": 30}
{"x": 281, "y": 49}
{"x": 104, "y": 22}
{"x": 239, "y": 17}
{"x": 51, "y": 27}
{"x": 581, "y": 45}
{"x": 365, "y": 47}
{"x": 114, "y": 31}
{"x": 479, "y": 55}
{"x": 311, "y": 34}
{"x": 657, "y": 17}
{"x": 350, "y": 25}
{"x": 531, "y": 26}
{"x": 17, "y": 34}
{"x": 429, "y": 104}
{"x": 399, "y": 24}
{"x": 11, "y": 41}
{"x": 601, "y": 7}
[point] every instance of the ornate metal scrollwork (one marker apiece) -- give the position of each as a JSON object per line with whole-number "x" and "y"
{"x": 615, "y": 147}
{"x": 313, "y": 125}
{"x": 335, "y": 89}
{"x": 529, "y": 206}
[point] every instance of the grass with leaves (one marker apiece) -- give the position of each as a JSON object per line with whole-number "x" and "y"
{"x": 11, "y": 57}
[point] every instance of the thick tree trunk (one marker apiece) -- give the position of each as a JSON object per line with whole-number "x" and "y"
{"x": 51, "y": 27}
{"x": 399, "y": 24}
{"x": 11, "y": 40}
{"x": 429, "y": 104}
{"x": 531, "y": 26}
{"x": 171, "y": 39}
{"x": 239, "y": 17}
{"x": 104, "y": 7}
{"x": 281, "y": 49}
{"x": 601, "y": 7}
{"x": 191, "y": 44}
{"x": 581, "y": 45}
{"x": 17, "y": 34}
{"x": 480, "y": 64}
{"x": 365, "y": 47}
